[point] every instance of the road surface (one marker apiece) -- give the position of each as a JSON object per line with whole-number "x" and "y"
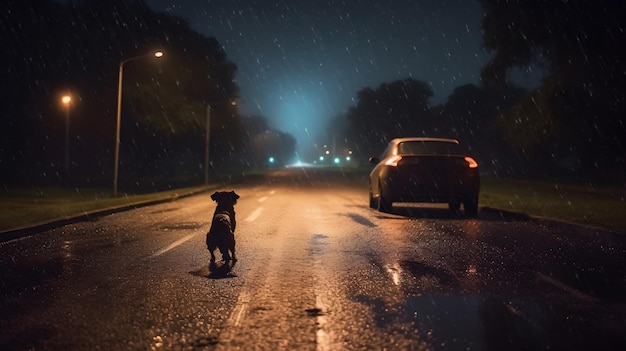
{"x": 317, "y": 270}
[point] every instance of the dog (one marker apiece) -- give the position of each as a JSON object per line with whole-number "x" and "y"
{"x": 222, "y": 233}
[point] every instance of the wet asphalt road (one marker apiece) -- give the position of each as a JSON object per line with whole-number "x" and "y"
{"x": 317, "y": 270}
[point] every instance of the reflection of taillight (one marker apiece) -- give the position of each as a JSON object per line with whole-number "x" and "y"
{"x": 393, "y": 161}
{"x": 471, "y": 162}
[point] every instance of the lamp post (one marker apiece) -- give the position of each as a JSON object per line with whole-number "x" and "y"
{"x": 67, "y": 99}
{"x": 206, "y": 144}
{"x": 119, "y": 114}
{"x": 207, "y": 140}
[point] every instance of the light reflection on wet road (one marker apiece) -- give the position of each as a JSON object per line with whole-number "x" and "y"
{"x": 317, "y": 270}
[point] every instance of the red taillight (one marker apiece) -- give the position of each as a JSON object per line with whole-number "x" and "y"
{"x": 393, "y": 161}
{"x": 471, "y": 162}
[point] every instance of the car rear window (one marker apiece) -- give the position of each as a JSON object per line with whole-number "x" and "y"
{"x": 428, "y": 148}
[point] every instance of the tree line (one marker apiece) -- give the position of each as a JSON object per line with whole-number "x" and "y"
{"x": 571, "y": 126}
{"x": 75, "y": 48}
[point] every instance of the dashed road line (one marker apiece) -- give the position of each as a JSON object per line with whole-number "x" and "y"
{"x": 172, "y": 245}
{"x": 254, "y": 214}
{"x": 235, "y": 318}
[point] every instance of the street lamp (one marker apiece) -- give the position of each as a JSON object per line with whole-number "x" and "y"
{"x": 119, "y": 114}
{"x": 67, "y": 99}
{"x": 207, "y": 139}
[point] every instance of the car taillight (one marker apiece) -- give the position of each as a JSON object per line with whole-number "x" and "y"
{"x": 471, "y": 162}
{"x": 393, "y": 161}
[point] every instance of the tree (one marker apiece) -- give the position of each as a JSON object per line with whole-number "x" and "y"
{"x": 396, "y": 109}
{"x": 264, "y": 142}
{"x": 80, "y": 46}
{"x": 578, "y": 109}
{"x": 471, "y": 115}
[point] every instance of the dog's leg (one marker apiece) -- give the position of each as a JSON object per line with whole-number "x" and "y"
{"x": 212, "y": 252}
{"x": 212, "y": 257}
{"x": 225, "y": 255}
{"x": 210, "y": 246}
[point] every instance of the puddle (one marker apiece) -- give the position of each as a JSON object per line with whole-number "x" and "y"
{"x": 181, "y": 226}
{"x": 319, "y": 243}
{"x": 475, "y": 322}
{"x": 422, "y": 271}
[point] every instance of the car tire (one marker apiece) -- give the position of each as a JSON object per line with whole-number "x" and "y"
{"x": 470, "y": 207}
{"x": 454, "y": 206}
{"x": 383, "y": 204}
{"x": 373, "y": 203}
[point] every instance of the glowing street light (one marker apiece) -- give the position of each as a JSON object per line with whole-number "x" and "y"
{"x": 66, "y": 100}
{"x": 119, "y": 113}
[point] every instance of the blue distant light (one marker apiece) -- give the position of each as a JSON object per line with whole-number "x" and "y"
{"x": 337, "y": 160}
{"x": 271, "y": 159}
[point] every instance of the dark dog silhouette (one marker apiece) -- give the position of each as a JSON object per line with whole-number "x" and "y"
{"x": 222, "y": 233}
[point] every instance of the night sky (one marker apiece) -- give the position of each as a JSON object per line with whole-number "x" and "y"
{"x": 302, "y": 62}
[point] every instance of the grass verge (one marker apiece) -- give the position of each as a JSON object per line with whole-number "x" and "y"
{"x": 25, "y": 206}
{"x": 603, "y": 207}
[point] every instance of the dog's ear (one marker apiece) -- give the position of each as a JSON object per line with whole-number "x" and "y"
{"x": 215, "y": 196}
{"x": 234, "y": 195}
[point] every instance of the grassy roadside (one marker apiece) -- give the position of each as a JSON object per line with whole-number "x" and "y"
{"x": 597, "y": 206}
{"x": 603, "y": 207}
{"x": 25, "y": 206}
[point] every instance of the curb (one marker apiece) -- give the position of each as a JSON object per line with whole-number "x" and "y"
{"x": 518, "y": 216}
{"x": 25, "y": 231}
{"x": 31, "y": 229}
{"x": 504, "y": 214}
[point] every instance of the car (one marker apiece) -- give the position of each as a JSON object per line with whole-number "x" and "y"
{"x": 419, "y": 169}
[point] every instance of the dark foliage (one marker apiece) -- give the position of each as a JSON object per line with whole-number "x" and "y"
{"x": 53, "y": 49}
{"x": 572, "y": 126}
{"x": 401, "y": 109}
{"x": 263, "y": 142}
{"x": 392, "y": 110}
{"x": 574, "y": 123}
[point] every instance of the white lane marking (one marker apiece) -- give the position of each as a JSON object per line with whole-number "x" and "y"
{"x": 263, "y": 199}
{"x": 322, "y": 337}
{"x": 254, "y": 214}
{"x": 240, "y": 310}
{"x": 235, "y": 318}
{"x": 394, "y": 270}
{"x": 172, "y": 245}
{"x": 577, "y": 293}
